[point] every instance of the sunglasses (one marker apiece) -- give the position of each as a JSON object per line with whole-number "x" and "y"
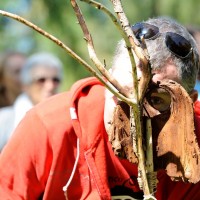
{"x": 42, "y": 80}
{"x": 175, "y": 43}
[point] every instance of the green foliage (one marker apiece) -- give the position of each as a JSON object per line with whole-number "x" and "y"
{"x": 57, "y": 18}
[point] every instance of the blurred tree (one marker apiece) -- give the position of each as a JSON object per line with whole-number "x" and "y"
{"x": 57, "y": 17}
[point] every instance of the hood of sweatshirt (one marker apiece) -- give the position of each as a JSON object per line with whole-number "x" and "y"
{"x": 86, "y": 110}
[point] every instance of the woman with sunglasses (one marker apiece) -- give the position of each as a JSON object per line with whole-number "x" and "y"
{"x": 41, "y": 76}
{"x": 66, "y": 143}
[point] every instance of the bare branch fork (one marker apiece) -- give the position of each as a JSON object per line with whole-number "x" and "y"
{"x": 91, "y": 50}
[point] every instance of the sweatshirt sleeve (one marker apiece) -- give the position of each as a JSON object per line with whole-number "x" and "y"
{"x": 24, "y": 167}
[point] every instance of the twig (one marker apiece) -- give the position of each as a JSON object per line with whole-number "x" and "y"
{"x": 92, "y": 52}
{"x": 130, "y": 41}
{"x": 149, "y": 157}
{"x": 140, "y": 53}
{"x": 49, "y": 36}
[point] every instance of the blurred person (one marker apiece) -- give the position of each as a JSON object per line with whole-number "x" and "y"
{"x": 41, "y": 76}
{"x": 10, "y": 84}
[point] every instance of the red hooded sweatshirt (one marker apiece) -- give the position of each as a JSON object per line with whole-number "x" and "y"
{"x": 62, "y": 142}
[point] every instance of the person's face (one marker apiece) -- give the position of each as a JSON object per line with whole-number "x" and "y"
{"x": 160, "y": 98}
{"x": 12, "y": 72}
{"x": 46, "y": 82}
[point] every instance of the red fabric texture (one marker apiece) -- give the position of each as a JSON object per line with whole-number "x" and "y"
{"x": 39, "y": 158}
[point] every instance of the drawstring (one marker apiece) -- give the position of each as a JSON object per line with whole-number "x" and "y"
{"x": 74, "y": 169}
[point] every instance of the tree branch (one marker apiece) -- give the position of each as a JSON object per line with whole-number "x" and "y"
{"x": 92, "y": 53}
{"x": 131, "y": 43}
